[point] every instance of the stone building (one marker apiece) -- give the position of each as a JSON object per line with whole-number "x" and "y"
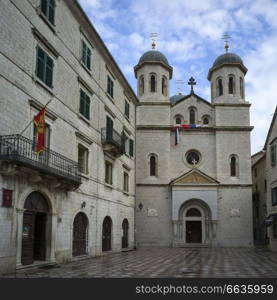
{"x": 77, "y": 197}
{"x": 259, "y": 197}
{"x": 270, "y": 148}
{"x": 193, "y": 188}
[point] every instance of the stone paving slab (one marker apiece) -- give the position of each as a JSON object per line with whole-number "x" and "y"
{"x": 167, "y": 262}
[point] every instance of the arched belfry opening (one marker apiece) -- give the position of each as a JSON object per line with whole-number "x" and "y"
{"x": 36, "y": 229}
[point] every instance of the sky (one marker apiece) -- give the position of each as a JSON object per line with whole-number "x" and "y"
{"x": 190, "y": 36}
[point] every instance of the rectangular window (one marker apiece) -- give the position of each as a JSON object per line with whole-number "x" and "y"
{"x": 110, "y": 86}
{"x": 84, "y": 104}
{"x": 265, "y": 185}
{"x": 274, "y": 229}
{"x": 83, "y": 159}
{"x": 273, "y": 154}
{"x": 7, "y": 198}
{"x": 109, "y": 130}
{"x": 274, "y": 196}
{"x": 127, "y": 109}
{"x": 125, "y": 182}
{"x": 255, "y": 172}
{"x": 86, "y": 55}
{"x": 48, "y": 9}
{"x": 131, "y": 148}
{"x": 44, "y": 67}
{"x": 108, "y": 172}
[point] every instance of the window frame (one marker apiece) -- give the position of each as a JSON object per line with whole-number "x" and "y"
{"x": 42, "y": 65}
{"x": 83, "y": 169}
{"x": 219, "y": 86}
{"x": 126, "y": 178}
{"x": 127, "y": 109}
{"x": 273, "y": 154}
{"x": 234, "y": 168}
{"x": 131, "y": 147}
{"x": 86, "y": 54}
{"x": 46, "y": 13}
{"x": 110, "y": 87}
{"x": 153, "y": 83}
{"x": 84, "y": 104}
{"x": 274, "y": 196}
{"x": 153, "y": 165}
{"x": 231, "y": 84}
{"x": 108, "y": 172}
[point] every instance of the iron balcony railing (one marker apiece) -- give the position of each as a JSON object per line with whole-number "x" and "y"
{"x": 112, "y": 137}
{"x": 21, "y": 150}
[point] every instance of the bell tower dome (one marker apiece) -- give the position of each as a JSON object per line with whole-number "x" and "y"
{"x": 227, "y": 78}
{"x": 153, "y": 73}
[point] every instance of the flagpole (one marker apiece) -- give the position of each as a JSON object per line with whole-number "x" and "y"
{"x": 32, "y": 119}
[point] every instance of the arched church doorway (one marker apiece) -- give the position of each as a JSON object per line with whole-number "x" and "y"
{"x": 125, "y": 229}
{"x": 193, "y": 225}
{"x": 34, "y": 240}
{"x": 107, "y": 234}
{"x": 80, "y": 234}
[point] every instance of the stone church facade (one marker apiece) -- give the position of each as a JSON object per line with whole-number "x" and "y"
{"x": 77, "y": 198}
{"x": 193, "y": 189}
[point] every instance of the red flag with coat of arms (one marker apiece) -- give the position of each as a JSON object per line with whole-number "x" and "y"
{"x": 39, "y": 121}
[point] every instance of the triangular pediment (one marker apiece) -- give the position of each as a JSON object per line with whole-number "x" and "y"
{"x": 194, "y": 176}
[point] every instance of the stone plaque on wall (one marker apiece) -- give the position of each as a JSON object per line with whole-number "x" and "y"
{"x": 235, "y": 212}
{"x": 152, "y": 212}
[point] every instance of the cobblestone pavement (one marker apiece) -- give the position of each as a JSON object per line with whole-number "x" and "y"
{"x": 167, "y": 262}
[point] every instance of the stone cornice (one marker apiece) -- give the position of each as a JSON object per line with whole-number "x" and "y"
{"x": 215, "y": 128}
{"x": 86, "y": 85}
{"x": 154, "y": 103}
{"x": 45, "y": 42}
{"x": 196, "y": 185}
{"x": 37, "y": 105}
{"x": 232, "y": 104}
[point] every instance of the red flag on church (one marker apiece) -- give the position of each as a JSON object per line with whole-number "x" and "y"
{"x": 39, "y": 121}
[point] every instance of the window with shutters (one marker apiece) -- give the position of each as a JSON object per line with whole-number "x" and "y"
{"x": 86, "y": 55}
{"x": 44, "y": 67}
{"x": 84, "y": 104}
{"x": 48, "y": 9}
{"x": 273, "y": 154}
{"x": 83, "y": 159}
{"x": 108, "y": 172}
{"x": 125, "y": 182}
{"x": 127, "y": 109}
{"x": 110, "y": 85}
{"x": 131, "y": 147}
{"x": 109, "y": 128}
{"x": 274, "y": 196}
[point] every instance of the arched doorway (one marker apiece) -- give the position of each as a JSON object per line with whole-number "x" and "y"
{"x": 107, "y": 234}
{"x": 80, "y": 234}
{"x": 125, "y": 229}
{"x": 193, "y": 225}
{"x": 34, "y": 229}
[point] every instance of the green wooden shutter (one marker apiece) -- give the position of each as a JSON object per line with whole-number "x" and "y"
{"x": 131, "y": 147}
{"x": 49, "y": 71}
{"x": 87, "y": 107}
{"x": 82, "y": 102}
{"x": 43, "y": 6}
{"x": 88, "y": 57}
{"x": 40, "y": 63}
{"x": 273, "y": 154}
{"x": 109, "y": 128}
{"x": 51, "y": 11}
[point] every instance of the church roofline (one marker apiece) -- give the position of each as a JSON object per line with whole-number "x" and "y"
{"x": 189, "y": 95}
{"x": 169, "y": 68}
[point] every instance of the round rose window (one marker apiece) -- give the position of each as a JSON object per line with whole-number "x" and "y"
{"x": 193, "y": 157}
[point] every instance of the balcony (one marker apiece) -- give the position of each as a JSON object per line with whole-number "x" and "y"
{"x": 17, "y": 157}
{"x": 113, "y": 142}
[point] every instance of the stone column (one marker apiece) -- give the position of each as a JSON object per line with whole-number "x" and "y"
{"x": 52, "y": 257}
{"x": 20, "y": 213}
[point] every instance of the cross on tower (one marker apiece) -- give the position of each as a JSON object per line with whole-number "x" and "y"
{"x": 226, "y": 37}
{"x": 191, "y": 82}
{"x": 153, "y": 36}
